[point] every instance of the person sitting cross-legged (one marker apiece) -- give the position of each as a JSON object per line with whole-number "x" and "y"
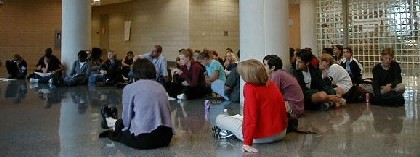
{"x": 264, "y": 117}
{"x": 387, "y": 80}
{"x": 146, "y": 119}
{"x": 287, "y": 84}
{"x": 80, "y": 70}
{"x": 317, "y": 95}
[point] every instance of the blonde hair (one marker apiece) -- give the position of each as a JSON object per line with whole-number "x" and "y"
{"x": 253, "y": 71}
{"x": 328, "y": 58}
{"x": 233, "y": 56}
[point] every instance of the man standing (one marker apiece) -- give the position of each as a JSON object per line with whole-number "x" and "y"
{"x": 159, "y": 62}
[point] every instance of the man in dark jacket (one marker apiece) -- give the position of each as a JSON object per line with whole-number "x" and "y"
{"x": 387, "y": 75}
{"x": 352, "y": 66}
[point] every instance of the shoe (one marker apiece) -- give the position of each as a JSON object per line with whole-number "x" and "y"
{"x": 181, "y": 97}
{"x": 215, "y": 132}
{"x": 327, "y": 106}
{"x": 221, "y": 134}
{"x": 104, "y": 114}
{"x": 32, "y": 80}
{"x": 171, "y": 98}
{"x": 50, "y": 80}
{"x": 107, "y": 112}
{"x": 113, "y": 112}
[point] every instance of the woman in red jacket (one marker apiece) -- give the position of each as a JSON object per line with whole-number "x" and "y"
{"x": 264, "y": 118}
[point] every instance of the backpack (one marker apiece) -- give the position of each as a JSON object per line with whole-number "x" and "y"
{"x": 356, "y": 94}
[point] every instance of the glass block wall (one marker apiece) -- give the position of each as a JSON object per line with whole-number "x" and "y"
{"x": 372, "y": 26}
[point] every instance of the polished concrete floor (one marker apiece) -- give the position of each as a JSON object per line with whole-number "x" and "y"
{"x": 39, "y": 120}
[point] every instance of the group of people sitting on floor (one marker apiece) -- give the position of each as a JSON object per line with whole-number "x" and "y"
{"x": 272, "y": 95}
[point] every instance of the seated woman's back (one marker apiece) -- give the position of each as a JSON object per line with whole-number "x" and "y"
{"x": 148, "y": 101}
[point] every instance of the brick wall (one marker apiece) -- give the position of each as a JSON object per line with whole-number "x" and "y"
{"x": 27, "y": 28}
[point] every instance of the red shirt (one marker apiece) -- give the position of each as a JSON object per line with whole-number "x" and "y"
{"x": 194, "y": 75}
{"x": 264, "y": 112}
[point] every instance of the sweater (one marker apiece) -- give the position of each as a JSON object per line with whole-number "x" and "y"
{"x": 145, "y": 107}
{"x": 264, "y": 112}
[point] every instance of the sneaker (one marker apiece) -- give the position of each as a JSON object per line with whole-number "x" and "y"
{"x": 181, "y": 97}
{"x": 215, "y": 132}
{"x": 327, "y": 106}
{"x": 221, "y": 134}
{"x": 171, "y": 98}
{"x": 32, "y": 80}
{"x": 50, "y": 80}
{"x": 108, "y": 112}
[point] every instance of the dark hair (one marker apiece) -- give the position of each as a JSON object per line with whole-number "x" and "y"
{"x": 348, "y": 48}
{"x": 339, "y": 47}
{"x": 48, "y": 52}
{"x": 82, "y": 54}
{"x": 158, "y": 48}
{"x": 304, "y": 55}
{"x": 96, "y": 53}
{"x": 204, "y": 55}
{"x": 229, "y": 49}
{"x": 130, "y": 52}
{"x": 17, "y": 57}
{"x": 143, "y": 69}
{"x": 274, "y": 60}
{"x": 328, "y": 51}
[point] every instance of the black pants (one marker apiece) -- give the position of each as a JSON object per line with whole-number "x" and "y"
{"x": 175, "y": 89}
{"x": 160, "y": 137}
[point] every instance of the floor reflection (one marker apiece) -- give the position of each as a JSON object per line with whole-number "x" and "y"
{"x": 45, "y": 120}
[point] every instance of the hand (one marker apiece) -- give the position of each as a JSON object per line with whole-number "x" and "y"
{"x": 103, "y": 72}
{"x": 247, "y": 148}
{"x": 388, "y": 88}
{"x": 185, "y": 83}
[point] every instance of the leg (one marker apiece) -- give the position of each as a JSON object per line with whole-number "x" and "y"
{"x": 231, "y": 123}
{"x": 218, "y": 87}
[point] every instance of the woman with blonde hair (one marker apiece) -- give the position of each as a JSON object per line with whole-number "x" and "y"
{"x": 264, "y": 117}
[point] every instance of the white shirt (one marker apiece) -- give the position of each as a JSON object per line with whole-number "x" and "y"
{"x": 340, "y": 77}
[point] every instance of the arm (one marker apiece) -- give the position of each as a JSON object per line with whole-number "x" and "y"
{"x": 164, "y": 69}
{"x": 250, "y": 115}
{"x": 196, "y": 70}
{"x": 73, "y": 68}
{"x": 397, "y": 74}
{"x": 375, "y": 82}
{"x": 127, "y": 101}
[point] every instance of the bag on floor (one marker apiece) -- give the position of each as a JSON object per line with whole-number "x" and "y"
{"x": 356, "y": 94}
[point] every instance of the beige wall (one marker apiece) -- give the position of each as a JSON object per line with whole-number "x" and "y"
{"x": 208, "y": 21}
{"x": 294, "y": 28}
{"x": 152, "y": 22}
{"x": 28, "y": 28}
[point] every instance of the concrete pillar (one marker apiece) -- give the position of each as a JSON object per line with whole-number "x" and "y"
{"x": 307, "y": 25}
{"x": 76, "y": 29}
{"x": 264, "y": 29}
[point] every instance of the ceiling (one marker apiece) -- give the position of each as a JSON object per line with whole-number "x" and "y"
{"x": 107, "y": 2}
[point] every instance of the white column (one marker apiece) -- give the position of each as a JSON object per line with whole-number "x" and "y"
{"x": 76, "y": 29}
{"x": 264, "y": 29}
{"x": 307, "y": 25}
